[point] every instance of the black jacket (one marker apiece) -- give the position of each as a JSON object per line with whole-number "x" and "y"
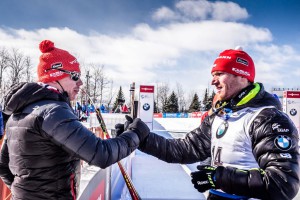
{"x": 45, "y": 142}
{"x": 278, "y": 177}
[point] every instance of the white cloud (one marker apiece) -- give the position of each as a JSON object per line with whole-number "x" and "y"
{"x": 203, "y": 36}
{"x": 180, "y": 51}
{"x": 228, "y": 11}
{"x": 191, "y": 10}
{"x": 163, "y": 14}
{"x": 195, "y": 9}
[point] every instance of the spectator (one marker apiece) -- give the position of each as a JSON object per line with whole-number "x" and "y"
{"x": 102, "y": 108}
{"x": 40, "y": 157}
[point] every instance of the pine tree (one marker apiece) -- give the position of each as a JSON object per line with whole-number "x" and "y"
{"x": 120, "y": 99}
{"x": 195, "y": 105}
{"x": 211, "y": 98}
{"x": 172, "y": 103}
{"x": 206, "y": 101}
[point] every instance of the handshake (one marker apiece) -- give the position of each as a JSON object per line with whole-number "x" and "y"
{"x": 136, "y": 125}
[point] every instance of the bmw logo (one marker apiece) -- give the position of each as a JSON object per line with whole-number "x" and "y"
{"x": 146, "y": 106}
{"x": 293, "y": 112}
{"x": 222, "y": 129}
{"x": 283, "y": 142}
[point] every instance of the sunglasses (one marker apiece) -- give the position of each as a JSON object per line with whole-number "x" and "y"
{"x": 75, "y": 76}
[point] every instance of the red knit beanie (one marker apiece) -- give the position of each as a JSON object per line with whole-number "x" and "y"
{"x": 236, "y": 62}
{"x": 53, "y": 56}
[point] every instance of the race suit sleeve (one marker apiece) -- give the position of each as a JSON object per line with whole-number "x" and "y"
{"x": 275, "y": 147}
{"x": 63, "y": 127}
{"x": 194, "y": 147}
{"x": 5, "y": 173}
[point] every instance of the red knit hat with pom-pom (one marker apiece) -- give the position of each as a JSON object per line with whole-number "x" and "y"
{"x": 53, "y": 56}
{"x": 236, "y": 62}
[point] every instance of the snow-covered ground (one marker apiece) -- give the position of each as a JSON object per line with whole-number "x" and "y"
{"x": 178, "y": 124}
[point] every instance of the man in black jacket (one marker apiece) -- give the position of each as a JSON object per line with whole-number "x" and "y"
{"x": 252, "y": 144}
{"x": 44, "y": 141}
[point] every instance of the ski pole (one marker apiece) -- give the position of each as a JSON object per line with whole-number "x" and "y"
{"x": 133, "y": 193}
{"x": 128, "y": 181}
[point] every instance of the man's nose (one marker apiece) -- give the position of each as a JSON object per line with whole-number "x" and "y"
{"x": 79, "y": 82}
{"x": 213, "y": 81}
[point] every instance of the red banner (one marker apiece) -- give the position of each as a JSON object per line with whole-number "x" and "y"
{"x": 196, "y": 114}
{"x": 157, "y": 115}
{"x": 147, "y": 88}
{"x": 291, "y": 94}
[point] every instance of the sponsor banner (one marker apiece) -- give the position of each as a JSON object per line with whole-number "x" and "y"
{"x": 291, "y": 106}
{"x": 291, "y": 94}
{"x": 157, "y": 115}
{"x": 178, "y": 115}
{"x": 146, "y": 89}
{"x": 146, "y": 104}
{"x": 195, "y": 114}
{"x": 175, "y": 115}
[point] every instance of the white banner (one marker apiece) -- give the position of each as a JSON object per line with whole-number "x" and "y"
{"x": 291, "y": 106}
{"x": 146, "y": 104}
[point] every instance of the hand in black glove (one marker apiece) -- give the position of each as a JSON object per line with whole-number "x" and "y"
{"x": 140, "y": 128}
{"x": 204, "y": 179}
{"x": 120, "y": 128}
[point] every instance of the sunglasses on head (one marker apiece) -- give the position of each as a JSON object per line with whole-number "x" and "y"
{"x": 75, "y": 76}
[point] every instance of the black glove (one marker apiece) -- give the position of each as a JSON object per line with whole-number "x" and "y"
{"x": 140, "y": 128}
{"x": 204, "y": 179}
{"x": 120, "y": 128}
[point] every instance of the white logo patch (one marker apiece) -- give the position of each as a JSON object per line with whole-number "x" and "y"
{"x": 276, "y": 127}
{"x": 285, "y": 155}
{"x": 239, "y": 71}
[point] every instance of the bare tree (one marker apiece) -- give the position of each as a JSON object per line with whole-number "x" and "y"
{"x": 110, "y": 95}
{"x": 180, "y": 96}
{"x": 100, "y": 82}
{"x": 17, "y": 66}
{"x": 162, "y": 95}
{"x": 4, "y": 59}
{"x": 28, "y": 69}
{"x": 85, "y": 70}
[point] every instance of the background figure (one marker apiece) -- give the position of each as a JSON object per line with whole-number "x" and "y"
{"x": 78, "y": 109}
{"x": 84, "y": 107}
{"x": 124, "y": 108}
{"x": 91, "y": 108}
{"x": 102, "y": 108}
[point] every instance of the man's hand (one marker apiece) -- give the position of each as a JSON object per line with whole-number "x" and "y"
{"x": 204, "y": 179}
{"x": 120, "y": 128}
{"x": 140, "y": 128}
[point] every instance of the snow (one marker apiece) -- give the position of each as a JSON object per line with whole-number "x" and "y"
{"x": 178, "y": 124}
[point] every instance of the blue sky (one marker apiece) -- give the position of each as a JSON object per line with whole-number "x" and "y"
{"x": 153, "y": 41}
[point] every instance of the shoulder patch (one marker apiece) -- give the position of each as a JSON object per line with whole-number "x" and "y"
{"x": 283, "y": 142}
{"x": 277, "y": 128}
